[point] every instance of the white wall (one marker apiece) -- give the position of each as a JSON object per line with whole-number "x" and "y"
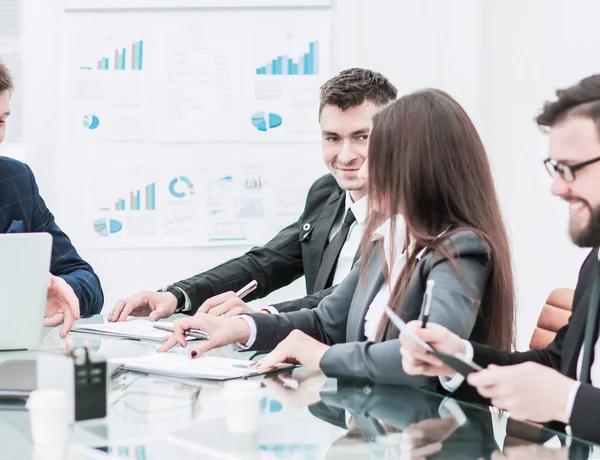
{"x": 532, "y": 48}
{"x": 501, "y": 59}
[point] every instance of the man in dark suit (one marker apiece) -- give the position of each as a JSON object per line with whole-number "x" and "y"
{"x": 562, "y": 382}
{"x": 321, "y": 245}
{"x": 74, "y": 289}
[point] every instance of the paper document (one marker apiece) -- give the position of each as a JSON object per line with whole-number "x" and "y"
{"x": 141, "y": 329}
{"x": 182, "y": 366}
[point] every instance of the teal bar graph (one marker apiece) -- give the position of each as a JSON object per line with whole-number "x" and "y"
{"x": 120, "y": 59}
{"x": 135, "y": 201}
{"x": 103, "y": 64}
{"x": 151, "y": 196}
{"x": 307, "y": 64}
{"x": 139, "y": 55}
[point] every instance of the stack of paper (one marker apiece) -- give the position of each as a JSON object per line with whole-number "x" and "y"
{"x": 210, "y": 368}
{"x": 140, "y": 329}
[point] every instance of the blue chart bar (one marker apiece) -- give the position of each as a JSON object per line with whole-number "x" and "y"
{"x": 122, "y": 59}
{"x": 139, "y": 48}
{"x": 306, "y": 64}
{"x": 314, "y": 51}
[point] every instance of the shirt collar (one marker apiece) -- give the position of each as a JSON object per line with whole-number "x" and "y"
{"x": 359, "y": 208}
{"x": 384, "y": 231}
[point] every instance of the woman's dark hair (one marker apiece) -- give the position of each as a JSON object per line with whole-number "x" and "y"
{"x": 427, "y": 163}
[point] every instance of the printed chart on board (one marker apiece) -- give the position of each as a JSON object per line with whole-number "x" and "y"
{"x": 286, "y": 66}
{"x": 108, "y": 84}
{"x": 241, "y": 202}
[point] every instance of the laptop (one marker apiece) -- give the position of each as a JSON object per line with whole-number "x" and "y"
{"x": 18, "y": 378}
{"x": 24, "y": 276}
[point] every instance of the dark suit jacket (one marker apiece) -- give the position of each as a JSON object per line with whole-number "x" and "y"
{"x": 340, "y": 318}
{"x": 22, "y": 210}
{"x": 295, "y": 251}
{"x": 562, "y": 354}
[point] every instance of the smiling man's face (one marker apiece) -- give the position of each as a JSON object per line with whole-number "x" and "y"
{"x": 575, "y": 140}
{"x": 345, "y": 138}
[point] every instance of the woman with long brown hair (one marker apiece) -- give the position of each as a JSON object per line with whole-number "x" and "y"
{"x": 434, "y": 215}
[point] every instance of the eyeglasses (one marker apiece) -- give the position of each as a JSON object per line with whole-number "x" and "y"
{"x": 567, "y": 172}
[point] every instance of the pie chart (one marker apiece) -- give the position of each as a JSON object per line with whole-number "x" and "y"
{"x": 264, "y": 121}
{"x": 105, "y": 227}
{"x": 90, "y": 121}
{"x": 184, "y": 190}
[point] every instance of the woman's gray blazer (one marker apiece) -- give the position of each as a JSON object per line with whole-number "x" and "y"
{"x": 340, "y": 317}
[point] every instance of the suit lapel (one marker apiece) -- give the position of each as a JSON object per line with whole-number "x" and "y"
{"x": 367, "y": 289}
{"x": 573, "y": 340}
{"x": 573, "y": 343}
{"x": 322, "y": 228}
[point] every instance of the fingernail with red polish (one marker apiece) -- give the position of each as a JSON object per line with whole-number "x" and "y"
{"x": 194, "y": 354}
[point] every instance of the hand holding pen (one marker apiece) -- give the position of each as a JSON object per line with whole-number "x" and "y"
{"x": 243, "y": 292}
{"x": 217, "y": 331}
{"x": 229, "y": 303}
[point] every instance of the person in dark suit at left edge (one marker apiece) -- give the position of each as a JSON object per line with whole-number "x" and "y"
{"x": 73, "y": 289}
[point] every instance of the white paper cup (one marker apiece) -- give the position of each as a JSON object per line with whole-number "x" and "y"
{"x": 242, "y": 405}
{"x": 49, "y": 417}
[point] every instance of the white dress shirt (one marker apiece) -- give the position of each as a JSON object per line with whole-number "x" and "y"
{"x": 382, "y": 298}
{"x": 348, "y": 251}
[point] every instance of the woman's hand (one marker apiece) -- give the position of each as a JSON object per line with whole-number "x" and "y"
{"x": 297, "y": 348}
{"x": 221, "y": 330}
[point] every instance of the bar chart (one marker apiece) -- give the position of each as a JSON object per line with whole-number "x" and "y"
{"x": 135, "y": 200}
{"x": 120, "y": 59}
{"x": 306, "y": 64}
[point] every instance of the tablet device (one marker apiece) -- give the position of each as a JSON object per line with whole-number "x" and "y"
{"x": 456, "y": 362}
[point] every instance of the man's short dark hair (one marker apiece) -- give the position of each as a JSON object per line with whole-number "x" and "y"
{"x": 581, "y": 99}
{"x": 352, "y": 87}
{"x": 6, "y": 82}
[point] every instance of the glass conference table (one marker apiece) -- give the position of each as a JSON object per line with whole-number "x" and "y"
{"x": 303, "y": 416}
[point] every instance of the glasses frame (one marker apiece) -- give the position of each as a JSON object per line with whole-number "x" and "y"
{"x": 565, "y": 171}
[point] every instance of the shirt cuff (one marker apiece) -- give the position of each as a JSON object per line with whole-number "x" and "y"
{"x": 252, "y": 339}
{"x": 187, "y": 304}
{"x": 571, "y": 399}
{"x": 272, "y": 310}
{"x": 450, "y": 406}
{"x": 452, "y": 384}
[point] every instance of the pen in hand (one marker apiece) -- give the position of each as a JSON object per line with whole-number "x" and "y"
{"x": 428, "y": 297}
{"x": 247, "y": 289}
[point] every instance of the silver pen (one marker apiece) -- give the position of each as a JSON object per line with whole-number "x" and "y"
{"x": 247, "y": 289}
{"x": 428, "y": 297}
{"x": 192, "y": 332}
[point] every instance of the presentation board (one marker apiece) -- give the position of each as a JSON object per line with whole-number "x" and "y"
{"x": 194, "y": 127}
